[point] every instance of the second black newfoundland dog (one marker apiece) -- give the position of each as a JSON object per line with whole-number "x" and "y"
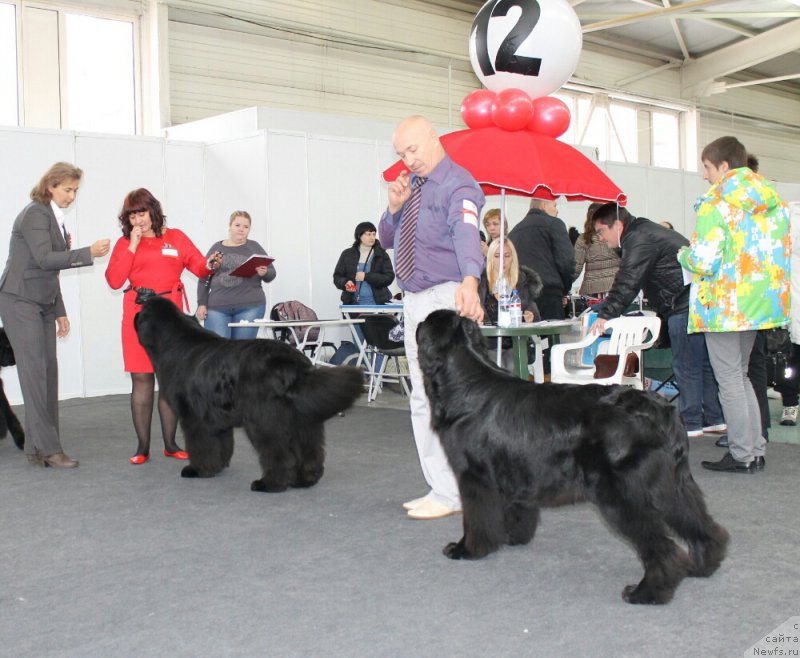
{"x": 267, "y": 387}
{"x": 8, "y": 419}
{"x": 515, "y": 446}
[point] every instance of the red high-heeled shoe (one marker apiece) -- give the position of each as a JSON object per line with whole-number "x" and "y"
{"x": 139, "y": 459}
{"x": 178, "y": 454}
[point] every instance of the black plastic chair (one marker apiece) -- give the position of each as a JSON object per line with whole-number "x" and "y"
{"x": 376, "y": 330}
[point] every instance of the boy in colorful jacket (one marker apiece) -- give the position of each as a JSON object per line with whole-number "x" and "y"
{"x": 740, "y": 258}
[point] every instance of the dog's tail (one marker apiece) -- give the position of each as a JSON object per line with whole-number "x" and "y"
{"x": 326, "y": 391}
{"x": 706, "y": 539}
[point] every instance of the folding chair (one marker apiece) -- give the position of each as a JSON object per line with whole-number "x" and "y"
{"x": 376, "y": 330}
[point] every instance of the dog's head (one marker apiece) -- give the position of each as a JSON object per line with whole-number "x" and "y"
{"x": 445, "y": 333}
{"x": 158, "y": 321}
{"x": 6, "y": 352}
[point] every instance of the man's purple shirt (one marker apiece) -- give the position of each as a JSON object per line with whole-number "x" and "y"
{"x": 447, "y": 244}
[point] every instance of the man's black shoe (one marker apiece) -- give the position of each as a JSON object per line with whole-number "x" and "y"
{"x": 728, "y": 465}
{"x": 758, "y": 464}
{"x": 722, "y": 442}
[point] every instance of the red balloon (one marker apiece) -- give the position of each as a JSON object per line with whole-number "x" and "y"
{"x": 476, "y": 109}
{"x": 512, "y": 109}
{"x": 550, "y": 116}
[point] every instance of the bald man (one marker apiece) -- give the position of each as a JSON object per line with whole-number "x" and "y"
{"x": 438, "y": 264}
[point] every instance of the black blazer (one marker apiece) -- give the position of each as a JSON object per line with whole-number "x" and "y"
{"x": 380, "y": 276}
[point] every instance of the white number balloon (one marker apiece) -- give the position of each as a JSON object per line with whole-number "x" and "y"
{"x": 525, "y": 44}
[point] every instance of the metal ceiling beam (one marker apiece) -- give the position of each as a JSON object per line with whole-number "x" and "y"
{"x": 677, "y": 32}
{"x": 762, "y": 81}
{"x": 619, "y": 21}
{"x": 745, "y": 54}
{"x": 620, "y": 45}
{"x": 606, "y": 20}
{"x": 646, "y": 74}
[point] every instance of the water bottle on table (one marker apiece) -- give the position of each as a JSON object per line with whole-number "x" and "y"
{"x": 515, "y": 308}
{"x": 503, "y": 291}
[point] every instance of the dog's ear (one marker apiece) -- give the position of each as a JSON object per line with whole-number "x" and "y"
{"x": 472, "y": 332}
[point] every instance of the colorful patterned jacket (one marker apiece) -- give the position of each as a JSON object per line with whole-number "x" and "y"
{"x": 740, "y": 256}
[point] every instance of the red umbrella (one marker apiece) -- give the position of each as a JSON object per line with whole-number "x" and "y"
{"x": 525, "y": 163}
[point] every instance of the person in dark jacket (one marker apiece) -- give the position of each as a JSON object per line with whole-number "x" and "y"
{"x": 649, "y": 263}
{"x": 543, "y": 244}
{"x": 364, "y": 271}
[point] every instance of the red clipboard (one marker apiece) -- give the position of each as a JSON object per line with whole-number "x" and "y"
{"x": 248, "y": 268}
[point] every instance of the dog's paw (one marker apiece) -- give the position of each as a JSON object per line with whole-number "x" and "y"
{"x": 641, "y": 594}
{"x": 267, "y": 487}
{"x": 308, "y": 478}
{"x": 459, "y": 551}
{"x": 189, "y": 472}
{"x": 453, "y": 550}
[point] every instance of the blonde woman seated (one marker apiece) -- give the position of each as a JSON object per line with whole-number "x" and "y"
{"x": 527, "y": 283}
{"x": 600, "y": 261}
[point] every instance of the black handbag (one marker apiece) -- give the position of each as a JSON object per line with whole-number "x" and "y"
{"x": 778, "y": 341}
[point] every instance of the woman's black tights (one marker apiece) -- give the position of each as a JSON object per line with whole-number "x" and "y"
{"x": 142, "y": 394}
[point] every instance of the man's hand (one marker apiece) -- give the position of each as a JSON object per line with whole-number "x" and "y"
{"x": 468, "y": 302}
{"x": 399, "y": 192}
{"x": 62, "y": 326}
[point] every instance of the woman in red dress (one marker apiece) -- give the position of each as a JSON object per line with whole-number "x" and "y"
{"x": 150, "y": 255}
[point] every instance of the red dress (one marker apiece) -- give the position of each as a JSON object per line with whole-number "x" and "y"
{"x": 157, "y": 264}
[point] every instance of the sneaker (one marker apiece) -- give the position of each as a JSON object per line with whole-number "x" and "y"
{"x": 722, "y": 428}
{"x": 772, "y": 394}
{"x": 789, "y": 416}
{"x": 693, "y": 434}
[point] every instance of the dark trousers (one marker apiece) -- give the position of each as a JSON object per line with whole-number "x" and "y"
{"x": 757, "y": 374}
{"x": 790, "y": 388}
{"x": 551, "y": 305}
{"x": 699, "y": 399}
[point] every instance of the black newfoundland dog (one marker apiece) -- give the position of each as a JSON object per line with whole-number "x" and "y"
{"x": 267, "y": 387}
{"x": 515, "y": 446}
{"x": 8, "y": 420}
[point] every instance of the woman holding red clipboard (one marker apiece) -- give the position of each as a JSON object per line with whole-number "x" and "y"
{"x": 233, "y": 293}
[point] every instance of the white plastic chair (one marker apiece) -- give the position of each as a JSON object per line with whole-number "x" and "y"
{"x": 628, "y": 335}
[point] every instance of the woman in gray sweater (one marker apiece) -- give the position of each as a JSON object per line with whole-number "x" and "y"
{"x": 224, "y": 298}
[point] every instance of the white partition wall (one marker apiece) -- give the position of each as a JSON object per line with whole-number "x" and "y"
{"x": 288, "y": 221}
